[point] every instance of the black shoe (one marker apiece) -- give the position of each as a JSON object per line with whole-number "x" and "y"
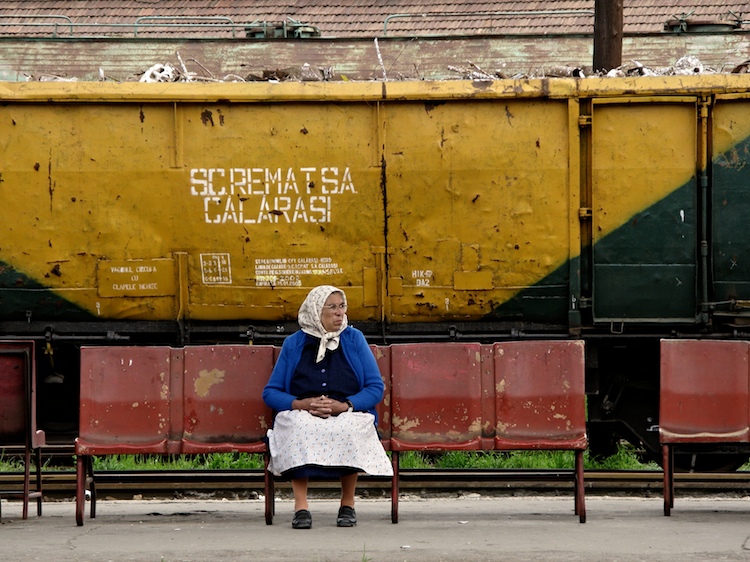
{"x": 347, "y": 517}
{"x": 302, "y": 520}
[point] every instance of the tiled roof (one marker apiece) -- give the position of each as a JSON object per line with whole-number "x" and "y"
{"x": 358, "y": 18}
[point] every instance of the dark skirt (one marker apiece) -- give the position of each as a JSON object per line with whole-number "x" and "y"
{"x": 317, "y": 471}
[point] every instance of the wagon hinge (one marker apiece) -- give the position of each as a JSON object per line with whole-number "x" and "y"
{"x": 585, "y": 213}
{"x": 584, "y": 121}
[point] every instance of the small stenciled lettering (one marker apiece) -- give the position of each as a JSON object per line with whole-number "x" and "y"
{"x": 289, "y": 272}
{"x": 216, "y": 269}
{"x": 422, "y": 277}
{"x": 136, "y": 278}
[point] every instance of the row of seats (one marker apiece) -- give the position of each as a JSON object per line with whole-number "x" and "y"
{"x": 505, "y": 396}
{"x": 438, "y": 397}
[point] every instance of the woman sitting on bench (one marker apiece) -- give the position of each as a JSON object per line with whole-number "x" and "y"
{"x": 323, "y": 390}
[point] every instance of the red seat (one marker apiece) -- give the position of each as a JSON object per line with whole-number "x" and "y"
{"x": 695, "y": 405}
{"x": 436, "y": 402}
{"x": 541, "y": 401}
{"x": 223, "y": 405}
{"x": 18, "y": 416}
{"x": 223, "y": 408}
{"x": 125, "y": 407}
{"x": 436, "y": 397}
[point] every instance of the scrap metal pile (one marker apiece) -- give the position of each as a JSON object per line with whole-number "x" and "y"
{"x": 168, "y": 72}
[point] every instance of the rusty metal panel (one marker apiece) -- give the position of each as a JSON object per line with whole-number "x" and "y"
{"x": 472, "y": 188}
{"x": 704, "y": 391}
{"x": 223, "y": 407}
{"x": 16, "y": 398}
{"x": 125, "y": 399}
{"x": 383, "y": 357}
{"x": 645, "y": 211}
{"x": 730, "y": 200}
{"x": 436, "y": 396}
{"x": 540, "y": 395}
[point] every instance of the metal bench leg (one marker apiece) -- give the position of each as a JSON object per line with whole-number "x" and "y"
{"x": 38, "y": 492}
{"x": 667, "y": 457}
{"x": 80, "y": 489}
{"x": 580, "y": 490}
{"x": 269, "y": 489}
{"x": 26, "y": 482}
{"x": 92, "y": 485}
{"x": 394, "y": 487}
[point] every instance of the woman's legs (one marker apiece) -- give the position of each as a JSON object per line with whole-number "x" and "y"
{"x": 348, "y": 487}
{"x": 299, "y": 488}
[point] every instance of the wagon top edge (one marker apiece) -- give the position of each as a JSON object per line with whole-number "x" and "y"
{"x": 264, "y": 92}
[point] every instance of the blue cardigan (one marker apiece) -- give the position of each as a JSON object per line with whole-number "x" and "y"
{"x": 276, "y": 393}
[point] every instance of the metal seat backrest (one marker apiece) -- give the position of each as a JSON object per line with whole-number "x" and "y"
{"x": 540, "y": 395}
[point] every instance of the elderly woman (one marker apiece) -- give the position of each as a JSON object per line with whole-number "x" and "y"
{"x": 324, "y": 389}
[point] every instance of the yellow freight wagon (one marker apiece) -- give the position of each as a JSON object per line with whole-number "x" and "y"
{"x": 607, "y": 209}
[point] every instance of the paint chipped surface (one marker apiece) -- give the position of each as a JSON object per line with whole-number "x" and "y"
{"x": 405, "y": 424}
{"x": 206, "y": 379}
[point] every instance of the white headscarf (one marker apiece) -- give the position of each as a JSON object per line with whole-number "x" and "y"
{"x": 309, "y": 318}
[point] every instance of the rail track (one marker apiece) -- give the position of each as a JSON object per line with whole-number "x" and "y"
{"x": 247, "y": 483}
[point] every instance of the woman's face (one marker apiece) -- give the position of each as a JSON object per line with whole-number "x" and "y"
{"x": 333, "y": 312}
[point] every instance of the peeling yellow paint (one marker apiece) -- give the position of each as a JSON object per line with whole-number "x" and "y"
{"x": 164, "y": 392}
{"x": 500, "y": 386}
{"x": 405, "y": 424}
{"x": 476, "y": 426}
{"x": 206, "y": 379}
{"x": 134, "y": 405}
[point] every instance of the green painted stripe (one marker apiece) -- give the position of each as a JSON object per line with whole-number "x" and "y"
{"x": 20, "y": 294}
{"x": 730, "y": 204}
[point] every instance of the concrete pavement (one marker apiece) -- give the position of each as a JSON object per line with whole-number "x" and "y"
{"x": 466, "y": 528}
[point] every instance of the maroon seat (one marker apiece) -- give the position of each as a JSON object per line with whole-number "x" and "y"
{"x": 223, "y": 404}
{"x": 18, "y": 416}
{"x": 437, "y": 397}
{"x": 696, "y": 405}
{"x": 126, "y": 407}
{"x": 541, "y": 401}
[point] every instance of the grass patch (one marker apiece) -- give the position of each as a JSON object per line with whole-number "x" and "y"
{"x": 213, "y": 461}
{"x": 626, "y": 458}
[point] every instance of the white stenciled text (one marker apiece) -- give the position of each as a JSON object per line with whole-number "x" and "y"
{"x": 272, "y": 195}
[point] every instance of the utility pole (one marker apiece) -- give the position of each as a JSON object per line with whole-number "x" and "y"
{"x": 607, "y": 34}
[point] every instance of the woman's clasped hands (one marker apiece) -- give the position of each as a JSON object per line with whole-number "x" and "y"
{"x": 321, "y": 406}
